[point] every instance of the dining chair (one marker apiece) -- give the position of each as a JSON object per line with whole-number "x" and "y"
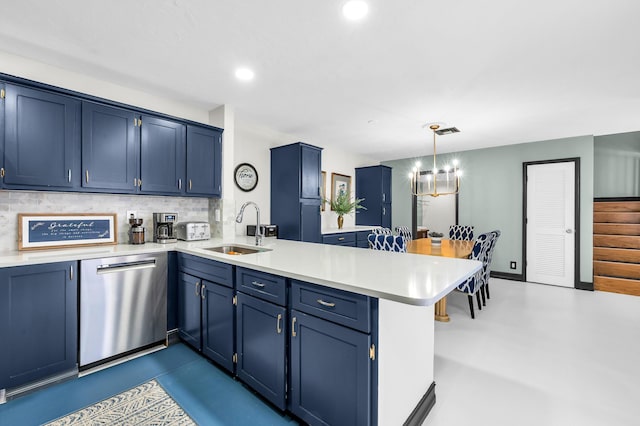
{"x": 405, "y": 232}
{"x": 395, "y": 243}
{"x": 461, "y": 232}
{"x": 487, "y": 269}
{"x": 474, "y": 283}
{"x": 381, "y": 231}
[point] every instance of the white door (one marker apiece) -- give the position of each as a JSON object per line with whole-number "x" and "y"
{"x": 551, "y": 223}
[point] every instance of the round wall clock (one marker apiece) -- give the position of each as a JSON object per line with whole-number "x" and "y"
{"x": 246, "y": 177}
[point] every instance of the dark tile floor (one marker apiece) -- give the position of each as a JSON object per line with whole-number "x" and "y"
{"x": 208, "y": 395}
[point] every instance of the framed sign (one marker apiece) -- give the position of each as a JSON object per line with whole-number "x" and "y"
{"x": 246, "y": 177}
{"x": 58, "y": 230}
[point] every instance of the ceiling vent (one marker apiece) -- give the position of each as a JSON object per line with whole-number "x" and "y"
{"x": 447, "y": 131}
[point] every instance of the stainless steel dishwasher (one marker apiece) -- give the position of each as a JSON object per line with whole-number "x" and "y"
{"x": 123, "y": 305}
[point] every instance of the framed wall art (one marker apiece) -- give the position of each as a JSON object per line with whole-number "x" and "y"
{"x": 340, "y": 184}
{"x": 58, "y": 230}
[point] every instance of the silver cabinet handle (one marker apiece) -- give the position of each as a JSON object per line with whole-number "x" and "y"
{"x": 341, "y": 239}
{"x": 189, "y": 184}
{"x": 293, "y": 327}
{"x": 86, "y": 175}
{"x": 135, "y": 182}
{"x": 384, "y": 197}
{"x": 197, "y": 288}
{"x": 257, "y": 284}
{"x": 327, "y": 304}
{"x": 71, "y": 273}
{"x": 202, "y": 288}
{"x": 384, "y": 211}
{"x": 180, "y": 183}
{"x": 278, "y": 327}
{"x": 69, "y": 175}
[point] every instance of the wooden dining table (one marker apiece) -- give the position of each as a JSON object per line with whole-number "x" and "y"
{"x": 447, "y": 248}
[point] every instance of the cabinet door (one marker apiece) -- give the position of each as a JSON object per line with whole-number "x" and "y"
{"x": 310, "y": 221}
{"x": 109, "y": 148}
{"x": 162, "y": 156}
{"x": 204, "y": 162}
{"x": 38, "y": 322}
{"x": 261, "y": 347}
{"x": 330, "y": 372}
{"x": 386, "y": 184}
{"x": 189, "y": 299}
{"x": 310, "y": 172}
{"x": 42, "y": 139}
{"x": 217, "y": 323}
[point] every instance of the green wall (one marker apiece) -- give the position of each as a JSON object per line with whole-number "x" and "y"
{"x": 491, "y": 193}
{"x": 617, "y": 165}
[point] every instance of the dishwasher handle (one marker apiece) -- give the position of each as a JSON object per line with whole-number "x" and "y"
{"x": 126, "y": 266}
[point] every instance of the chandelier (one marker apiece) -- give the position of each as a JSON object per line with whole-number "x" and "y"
{"x": 427, "y": 182}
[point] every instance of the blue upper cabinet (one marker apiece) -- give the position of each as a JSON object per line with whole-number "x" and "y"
{"x": 42, "y": 139}
{"x": 374, "y": 185}
{"x": 204, "y": 161}
{"x": 110, "y": 146}
{"x": 162, "y": 156}
{"x": 295, "y": 191}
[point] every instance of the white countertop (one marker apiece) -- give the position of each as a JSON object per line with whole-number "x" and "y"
{"x": 355, "y": 228}
{"x": 406, "y": 278}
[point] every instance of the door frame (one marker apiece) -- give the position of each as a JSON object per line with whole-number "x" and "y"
{"x": 576, "y": 209}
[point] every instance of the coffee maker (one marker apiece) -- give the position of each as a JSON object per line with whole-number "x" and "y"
{"x": 163, "y": 231}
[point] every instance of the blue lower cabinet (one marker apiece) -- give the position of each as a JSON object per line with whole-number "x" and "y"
{"x": 330, "y": 372}
{"x": 38, "y": 322}
{"x": 362, "y": 239}
{"x": 189, "y": 301}
{"x": 261, "y": 344}
{"x": 217, "y": 323}
{"x": 205, "y": 318}
{"x": 340, "y": 239}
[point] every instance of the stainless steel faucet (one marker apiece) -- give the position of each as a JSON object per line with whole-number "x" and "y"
{"x": 259, "y": 234}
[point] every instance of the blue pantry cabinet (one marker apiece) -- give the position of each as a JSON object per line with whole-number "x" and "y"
{"x": 204, "y": 161}
{"x": 38, "y": 322}
{"x": 110, "y": 148}
{"x": 374, "y": 185}
{"x": 295, "y": 191}
{"x": 205, "y": 308}
{"x": 41, "y": 139}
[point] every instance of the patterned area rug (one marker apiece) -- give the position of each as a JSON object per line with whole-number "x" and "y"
{"x": 147, "y": 404}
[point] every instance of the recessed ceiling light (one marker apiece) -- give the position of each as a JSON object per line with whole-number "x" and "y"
{"x": 355, "y": 10}
{"x": 244, "y": 74}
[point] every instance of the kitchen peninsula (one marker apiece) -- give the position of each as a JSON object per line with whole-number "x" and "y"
{"x": 404, "y": 287}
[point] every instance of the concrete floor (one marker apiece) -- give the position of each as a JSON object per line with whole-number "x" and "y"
{"x": 539, "y": 355}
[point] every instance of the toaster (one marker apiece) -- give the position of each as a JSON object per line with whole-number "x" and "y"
{"x": 192, "y": 231}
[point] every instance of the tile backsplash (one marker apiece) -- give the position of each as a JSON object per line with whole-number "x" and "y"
{"x": 14, "y": 202}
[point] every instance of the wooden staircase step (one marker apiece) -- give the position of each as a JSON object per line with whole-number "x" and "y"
{"x": 617, "y": 285}
{"x": 619, "y": 206}
{"x": 616, "y": 269}
{"x": 616, "y": 254}
{"x": 616, "y": 217}
{"x": 616, "y": 229}
{"x": 620, "y": 241}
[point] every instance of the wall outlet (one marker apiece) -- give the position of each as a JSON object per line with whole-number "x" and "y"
{"x": 512, "y": 265}
{"x": 216, "y": 215}
{"x": 131, "y": 213}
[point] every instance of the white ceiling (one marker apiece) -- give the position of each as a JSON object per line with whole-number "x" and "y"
{"x": 502, "y": 71}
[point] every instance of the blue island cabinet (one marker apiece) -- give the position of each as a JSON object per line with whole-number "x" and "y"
{"x": 295, "y": 191}
{"x": 260, "y": 333}
{"x": 206, "y": 309}
{"x": 41, "y": 139}
{"x": 333, "y": 367}
{"x": 38, "y": 323}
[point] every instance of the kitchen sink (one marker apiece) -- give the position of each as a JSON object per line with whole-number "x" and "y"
{"x": 237, "y": 250}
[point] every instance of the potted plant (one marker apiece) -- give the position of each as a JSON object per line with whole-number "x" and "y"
{"x": 436, "y": 237}
{"x": 342, "y": 205}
